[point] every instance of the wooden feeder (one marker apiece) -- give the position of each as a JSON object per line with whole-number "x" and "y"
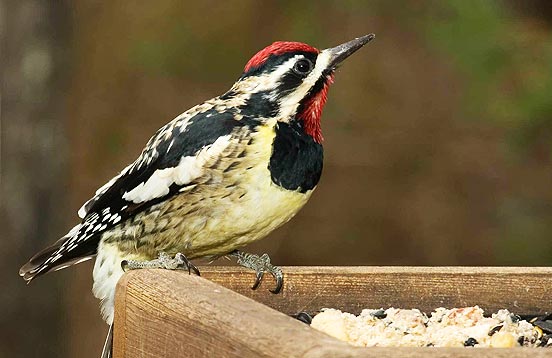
{"x": 161, "y": 313}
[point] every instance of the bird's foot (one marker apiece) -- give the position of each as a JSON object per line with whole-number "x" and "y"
{"x": 163, "y": 261}
{"x": 260, "y": 264}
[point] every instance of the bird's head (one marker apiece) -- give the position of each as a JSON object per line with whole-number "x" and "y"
{"x": 290, "y": 81}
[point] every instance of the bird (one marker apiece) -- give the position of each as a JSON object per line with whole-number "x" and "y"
{"x": 219, "y": 176}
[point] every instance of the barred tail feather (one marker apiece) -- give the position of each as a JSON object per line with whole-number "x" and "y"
{"x": 49, "y": 259}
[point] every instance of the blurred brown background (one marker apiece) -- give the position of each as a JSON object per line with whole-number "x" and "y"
{"x": 438, "y": 133}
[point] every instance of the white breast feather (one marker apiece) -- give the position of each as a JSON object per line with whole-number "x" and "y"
{"x": 107, "y": 272}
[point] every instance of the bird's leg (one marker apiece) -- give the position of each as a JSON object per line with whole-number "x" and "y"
{"x": 163, "y": 261}
{"x": 260, "y": 264}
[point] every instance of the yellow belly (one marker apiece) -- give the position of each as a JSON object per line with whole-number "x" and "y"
{"x": 235, "y": 223}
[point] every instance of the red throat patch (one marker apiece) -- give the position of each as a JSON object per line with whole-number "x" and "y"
{"x": 277, "y": 48}
{"x": 312, "y": 111}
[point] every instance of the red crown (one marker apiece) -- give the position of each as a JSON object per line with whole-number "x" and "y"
{"x": 277, "y": 48}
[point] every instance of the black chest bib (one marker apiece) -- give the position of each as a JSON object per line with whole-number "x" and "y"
{"x": 296, "y": 160}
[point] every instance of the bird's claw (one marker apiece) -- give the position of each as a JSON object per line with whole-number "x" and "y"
{"x": 185, "y": 264}
{"x": 260, "y": 264}
{"x": 163, "y": 261}
{"x": 258, "y": 278}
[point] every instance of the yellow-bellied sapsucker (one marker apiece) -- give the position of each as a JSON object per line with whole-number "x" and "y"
{"x": 219, "y": 176}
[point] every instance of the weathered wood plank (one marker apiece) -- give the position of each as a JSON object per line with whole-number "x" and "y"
{"x": 171, "y": 314}
{"x": 523, "y": 290}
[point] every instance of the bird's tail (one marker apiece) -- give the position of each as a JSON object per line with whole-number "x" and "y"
{"x": 107, "y": 351}
{"x": 51, "y": 258}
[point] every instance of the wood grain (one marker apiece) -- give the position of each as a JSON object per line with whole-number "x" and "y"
{"x": 523, "y": 290}
{"x": 171, "y": 314}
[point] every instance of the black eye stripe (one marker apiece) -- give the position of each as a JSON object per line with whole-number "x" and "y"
{"x": 289, "y": 82}
{"x": 293, "y": 78}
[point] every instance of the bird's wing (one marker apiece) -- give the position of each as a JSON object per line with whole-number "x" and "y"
{"x": 174, "y": 158}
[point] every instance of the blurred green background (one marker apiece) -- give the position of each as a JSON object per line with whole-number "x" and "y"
{"x": 438, "y": 133}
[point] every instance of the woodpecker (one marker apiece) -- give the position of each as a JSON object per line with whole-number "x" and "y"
{"x": 219, "y": 176}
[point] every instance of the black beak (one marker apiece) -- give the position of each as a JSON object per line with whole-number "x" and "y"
{"x": 341, "y": 52}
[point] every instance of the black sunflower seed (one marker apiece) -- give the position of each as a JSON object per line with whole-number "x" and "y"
{"x": 495, "y": 329}
{"x": 303, "y": 317}
{"x": 379, "y": 314}
{"x": 546, "y": 326}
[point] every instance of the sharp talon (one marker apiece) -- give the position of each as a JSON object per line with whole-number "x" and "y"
{"x": 277, "y": 289}
{"x": 279, "y": 277}
{"x": 182, "y": 262}
{"x": 258, "y": 278}
{"x": 186, "y": 264}
{"x": 195, "y": 269}
{"x": 124, "y": 265}
{"x": 260, "y": 264}
{"x": 279, "y": 285}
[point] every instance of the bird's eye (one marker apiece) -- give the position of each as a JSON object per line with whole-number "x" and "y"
{"x": 303, "y": 67}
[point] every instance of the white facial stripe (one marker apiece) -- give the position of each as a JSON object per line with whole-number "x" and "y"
{"x": 322, "y": 62}
{"x": 268, "y": 81}
{"x": 289, "y": 104}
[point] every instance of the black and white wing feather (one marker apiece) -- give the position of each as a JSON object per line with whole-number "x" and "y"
{"x": 172, "y": 159}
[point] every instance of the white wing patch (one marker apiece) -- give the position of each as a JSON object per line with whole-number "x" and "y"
{"x": 188, "y": 169}
{"x": 155, "y": 187}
